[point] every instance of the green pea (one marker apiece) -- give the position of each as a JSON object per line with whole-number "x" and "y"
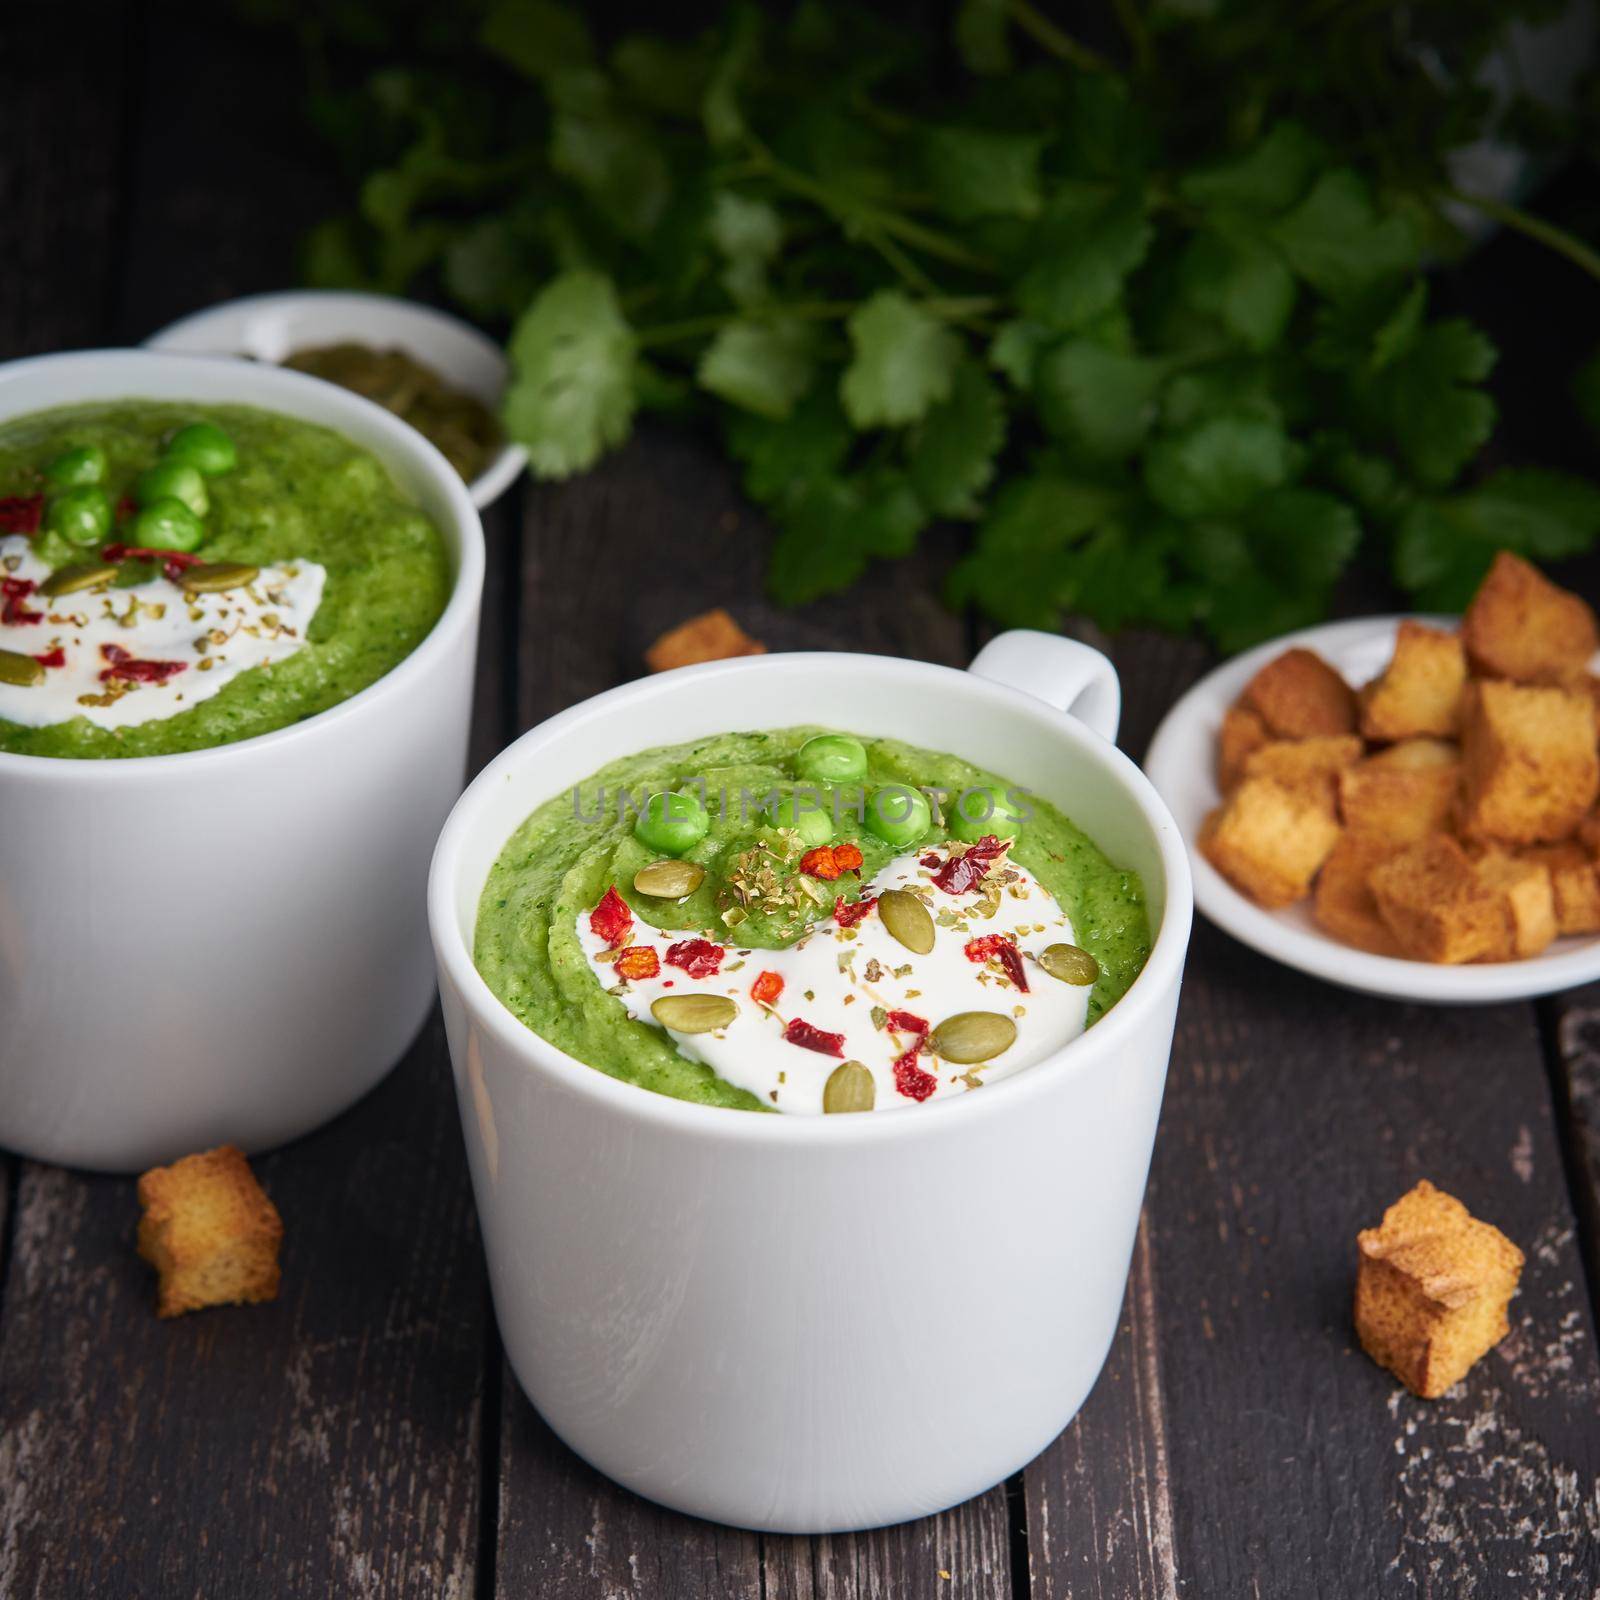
{"x": 672, "y": 823}
{"x": 81, "y": 516}
{"x": 969, "y": 814}
{"x": 808, "y": 815}
{"x": 204, "y": 446}
{"x": 173, "y": 480}
{"x": 831, "y": 758}
{"x": 168, "y": 525}
{"x": 76, "y": 469}
{"x": 898, "y": 815}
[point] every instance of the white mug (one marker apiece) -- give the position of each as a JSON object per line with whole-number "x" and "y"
{"x": 147, "y": 1012}
{"x": 812, "y": 1324}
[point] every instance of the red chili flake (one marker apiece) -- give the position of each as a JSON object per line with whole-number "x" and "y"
{"x": 15, "y": 591}
{"x": 132, "y": 670}
{"x": 931, "y": 859}
{"x": 1003, "y": 948}
{"x": 766, "y": 989}
{"x": 914, "y": 1082}
{"x": 818, "y": 1039}
{"x": 905, "y": 1022}
{"x": 21, "y": 513}
{"x": 962, "y": 874}
{"x": 53, "y": 658}
{"x": 820, "y": 863}
{"x": 611, "y": 919}
{"x": 698, "y": 957}
{"x": 847, "y": 858}
{"x": 638, "y": 961}
{"x": 173, "y": 562}
{"x": 847, "y": 913}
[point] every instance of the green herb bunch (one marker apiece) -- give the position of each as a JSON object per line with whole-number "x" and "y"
{"x": 1170, "y": 364}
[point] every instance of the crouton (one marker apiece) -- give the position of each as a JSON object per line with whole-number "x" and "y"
{"x": 1531, "y": 770}
{"x": 1523, "y": 627}
{"x": 210, "y": 1232}
{"x": 1269, "y": 841}
{"x": 1299, "y": 696}
{"x": 1311, "y": 765}
{"x": 1344, "y": 905}
{"x": 1433, "y": 1285}
{"x": 711, "y": 636}
{"x": 1404, "y": 793}
{"x": 1574, "y": 883}
{"x": 1588, "y": 834}
{"x": 1419, "y": 693}
{"x": 1527, "y": 899}
{"x": 1242, "y": 731}
{"x": 1434, "y": 905}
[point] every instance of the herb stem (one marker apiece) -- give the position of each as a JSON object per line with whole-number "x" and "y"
{"x": 1536, "y": 228}
{"x": 1049, "y": 37}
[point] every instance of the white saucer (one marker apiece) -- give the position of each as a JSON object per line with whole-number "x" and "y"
{"x": 1182, "y": 764}
{"x": 269, "y": 327}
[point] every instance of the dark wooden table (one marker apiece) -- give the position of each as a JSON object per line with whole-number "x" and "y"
{"x": 362, "y": 1435}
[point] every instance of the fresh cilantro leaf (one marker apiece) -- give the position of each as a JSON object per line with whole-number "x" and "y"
{"x": 904, "y": 361}
{"x": 953, "y": 453}
{"x": 783, "y": 459}
{"x": 749, "y": 234}
{"x": 1339, "y": 242}
{"x": 609, "y": 153}
{"x": 1265, "y": 179}
{"x": 1302, "y": 537}
{"x": 537, "y": 37}
{"x": 1371, "y": 329}
{"x": 1424, "y": 401}
{"x": 1236, "y": 385}
{"x": 829, "y": 533}
{"x": 1016, "y": 348}
{"x": 972, "y": 173}
{"x": 1254, "y": 608}
{"x": 571, "y": 395}
{"x": 1083, "y": 249}
{"x": 1106, "y": 132}
{"x": 1216, "y": 466}
{"x": 1241, "y": 282}
{"x": 667, "y": 77}
{"x": 983, "y": 36}
{"x": 1372, "y": 481}
{"x": 763, "y": 366}
{"x": 1097, "y": 400}
{"x": 720, "y": 109}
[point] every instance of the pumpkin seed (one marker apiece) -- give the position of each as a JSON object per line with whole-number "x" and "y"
{"x": 694, "y": 1013}
{"x": 211, "y": 576}
{"x": 669, "y": 880}
{"x": 1070, "y": 964}
{"x": 907, "y": 920}
{"x": 971, "y": 1036}
{"x": 849, "y": 1088}
{"x": 19, "y": 670}
{"x": 83, "y": 575}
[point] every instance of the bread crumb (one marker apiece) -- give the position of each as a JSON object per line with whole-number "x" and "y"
{"x": 711, "y": 636}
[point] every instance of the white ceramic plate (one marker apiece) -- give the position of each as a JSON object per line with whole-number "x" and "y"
{"x": 269, "y": 327}
{"x": 1182, "y": 765}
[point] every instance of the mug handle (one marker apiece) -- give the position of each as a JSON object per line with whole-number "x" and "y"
{"x": 1070, "y": 676}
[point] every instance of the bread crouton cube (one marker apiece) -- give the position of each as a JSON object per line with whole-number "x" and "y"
{"x": 711, "y": 636}
{"x": 1419, "y": 694}
{"x": 209, "y": 1231}
{"x": 1434, "y": 905}
{"x": 1588, "y": 834}
{"x": 1574, "y": 883}
{"x": 1344, "y": 905}
{"x": 1242, "y": 731}
{"x": 1299, "y": 696}
{"x": 1531, "y": 770}
{"x": 1311, "y": 765}
{"x": 1269, "y": 841}
{"x": 1527, "y": 897}
{"x": 1433, "y": 1285}
{"x": 1523, "y": 627}
{"x": 1404, "y": 793}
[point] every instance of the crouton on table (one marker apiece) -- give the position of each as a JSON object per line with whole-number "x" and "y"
{"x": 1299, "y": 696}
{"x": 711, "y": 636}
{"x": 1435, "y": 906}
{"x": 1269, "y": 841}
{"x": 1523, "y": 627}
{"x": 1433, "y": 1285}
{"x": 1344, "y": 905}
{"x": 210, "y": 1232}
{"x": 1404, "y": 793}
{"x": 1531, "y": 770}
{"x": 1419, "y": 694}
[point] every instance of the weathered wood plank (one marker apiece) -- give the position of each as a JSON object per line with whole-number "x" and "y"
{"x": 1574, "y": 1034}
{"x": 651, "y": 537}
